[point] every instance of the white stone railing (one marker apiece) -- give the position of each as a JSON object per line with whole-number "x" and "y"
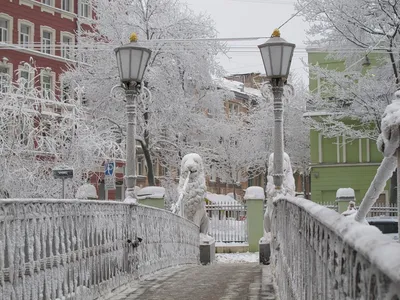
{"x": 319, "y": 254}
{"x": 72, "y": 249}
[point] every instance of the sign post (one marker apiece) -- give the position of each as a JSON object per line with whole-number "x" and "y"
{"x": 109, "y": 176}
{"x": 63, "y": 172}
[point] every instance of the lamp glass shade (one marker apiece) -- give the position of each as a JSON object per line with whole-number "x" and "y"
{"x": 132, "y": 62}
{"x": 277, "y": 56}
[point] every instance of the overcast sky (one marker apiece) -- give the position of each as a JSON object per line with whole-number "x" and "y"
{"x": 253, "y": 18}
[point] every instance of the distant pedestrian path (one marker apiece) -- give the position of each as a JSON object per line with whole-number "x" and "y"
{"x": 220, "y": 281}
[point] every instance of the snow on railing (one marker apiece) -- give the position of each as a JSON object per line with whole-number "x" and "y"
{"x": 228, "y": 222}
{"x": 319, "y": 254}
{"x": 73, "y": 249}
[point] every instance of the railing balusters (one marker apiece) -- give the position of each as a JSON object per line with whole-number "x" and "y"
{"x": 228, "y": 222}
{"x": 78, "y": 249}
{"x": 323, "y": 255}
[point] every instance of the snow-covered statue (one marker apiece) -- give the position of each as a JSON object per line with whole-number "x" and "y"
{"x": 388, "y": 142}
{"x": 86, "y": 192}
{"x": 288, "y": 187}
{"x": 192, "y": 190}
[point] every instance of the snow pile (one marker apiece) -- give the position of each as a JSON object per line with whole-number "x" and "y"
{"x": 254, "y": 192}
{"x": 220, "y": 199}
{"x": 345, "y": 193}
{"x": 86, "y": 191}
{"x": 237, "y": 257}
{"x": 151, "y": 192}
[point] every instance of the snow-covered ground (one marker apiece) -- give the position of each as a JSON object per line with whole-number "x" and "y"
{"x": 237, "y": 257}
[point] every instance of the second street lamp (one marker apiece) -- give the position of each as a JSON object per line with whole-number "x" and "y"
{"x": 132, "y": 62}
{"x": 277, "y": 56}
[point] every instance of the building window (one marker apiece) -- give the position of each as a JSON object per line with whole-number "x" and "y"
{"x": 47, "y": 2}
{"x": 25, "y": 79}
{"x": 140, "y": 167}
{"x": 85, "y": 9}
{"x": 66, "y": 5}
{"x": 6, "y": 23}
{"x": 24, "y": 35}
{"x": 233, "y": 108}
{"x": 46, "y": 42}
{"x": 5, "y": 79}
{"x": 66, "y": 46}
{"x": 47, "y": 85}
{"x": 48, "y": 35}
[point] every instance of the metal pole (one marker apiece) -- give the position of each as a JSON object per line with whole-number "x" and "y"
{"x": 398, "y": 191}
{"x": 63, "y": 188}
{"x": 277, "y": 90}
{"x": 130, "y": 175}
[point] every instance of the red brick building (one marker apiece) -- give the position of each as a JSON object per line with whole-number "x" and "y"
{"x": 37, "y": 42}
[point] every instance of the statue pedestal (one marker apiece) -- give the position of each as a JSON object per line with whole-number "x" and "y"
{"x": 207, "y": 249}
{"x": 264, "y": 246}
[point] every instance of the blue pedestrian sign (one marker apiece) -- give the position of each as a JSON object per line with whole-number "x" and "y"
{"x": 109, "y": 169}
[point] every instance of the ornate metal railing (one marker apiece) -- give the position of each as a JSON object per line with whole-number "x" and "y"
{"x": 319, "y": 254}
{"x": 53, "y": 249}
{"x": 228, "y": 222}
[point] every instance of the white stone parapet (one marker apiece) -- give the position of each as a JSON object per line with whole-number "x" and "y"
{"x": 74, "y": 249}
{"x": 319, "y": 254}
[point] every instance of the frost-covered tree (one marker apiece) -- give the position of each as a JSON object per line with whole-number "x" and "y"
{"x": 179, "y": 74}
{"x": 246, "y": 138}
{"x": 39, "y": 133}
{"x": 351, "y": 30}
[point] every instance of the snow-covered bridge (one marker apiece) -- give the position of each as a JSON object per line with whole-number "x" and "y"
{"x": 53, "y": 249}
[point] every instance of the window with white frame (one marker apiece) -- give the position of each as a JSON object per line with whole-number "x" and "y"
{"x": 6, "y": 23}
{"x": 5, "y": 79}
{"x": 24, "y": 35}
{"x": 140, "y": 167}
{"x": 25, "y": 79}
{"x": 66, "y": 45}
{"x": 84, "y": 9}
{"x": 66, "y": 5}
{"x": 4, "y": 29}
{"x": 46, "y": 83}
{"x": 47, "y": 2}
{"x": 46, "y": 41}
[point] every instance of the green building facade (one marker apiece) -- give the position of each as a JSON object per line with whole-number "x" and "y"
{"x": 339, "y": 162}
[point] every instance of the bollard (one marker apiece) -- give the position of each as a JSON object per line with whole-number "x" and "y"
{"x": 343, "y": 197}
{"x": 255, "y": 215}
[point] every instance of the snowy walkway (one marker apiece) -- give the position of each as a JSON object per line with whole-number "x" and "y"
{"x": 220, "y": 281}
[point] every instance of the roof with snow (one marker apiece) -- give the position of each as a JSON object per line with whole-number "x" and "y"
{"x": 237, "y": 87}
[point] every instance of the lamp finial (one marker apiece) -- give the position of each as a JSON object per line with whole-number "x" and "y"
{"x": 133, "y": 37}
{"x": 276, "y": 33}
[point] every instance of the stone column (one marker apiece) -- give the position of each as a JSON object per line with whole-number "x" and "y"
{"x": 152, "y": 196}
{"x": 343, "y": 197}
{"x": 255, "y": 215}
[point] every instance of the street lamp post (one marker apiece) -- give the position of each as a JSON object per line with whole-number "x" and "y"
{"x": 277, "y": 56}
{"x": 132, "y": 62}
